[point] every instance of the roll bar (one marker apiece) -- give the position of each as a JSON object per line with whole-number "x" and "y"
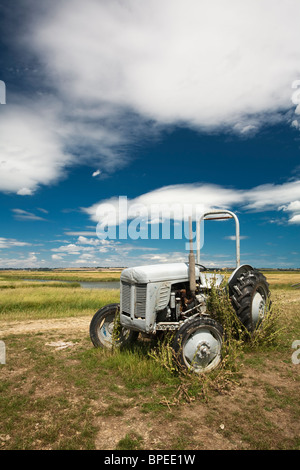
{"x": 220, "y": 214}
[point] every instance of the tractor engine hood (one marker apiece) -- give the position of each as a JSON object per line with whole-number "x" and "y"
{"x": 158, "y": 273}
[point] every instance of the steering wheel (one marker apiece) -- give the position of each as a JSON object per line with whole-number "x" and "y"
{"x": 201, "y": 266}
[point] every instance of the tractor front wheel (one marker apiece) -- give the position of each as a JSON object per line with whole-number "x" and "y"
{"x": 198, "y": 344}
{"x": 105, "y": 330}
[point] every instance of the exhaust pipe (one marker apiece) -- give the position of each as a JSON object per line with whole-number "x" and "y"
{"x": 192, "y": 267}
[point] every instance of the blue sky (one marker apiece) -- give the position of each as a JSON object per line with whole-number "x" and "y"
{"x": 193, "y": 102}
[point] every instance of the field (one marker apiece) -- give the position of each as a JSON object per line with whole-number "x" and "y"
{"x": 57, "y": 392}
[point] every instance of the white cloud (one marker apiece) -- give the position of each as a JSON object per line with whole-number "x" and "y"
{"x": 294, "y": 211}
{"x": 295, "y": 219}
{"x": 30, "y": 149}
{"x": 121, "y": 70}
{"x": 11, "y": 243}
{"x": 91, "y": 251}
{"x": 270, "y": 196}
{"x": 203, "y": 197}
{"x": 81, "y": 233}
{"x": 96, "y": 173}
{"x": 71, "y": 248}
{"x": 25, "y": 192}
{"x": 30, "y": 262}
{"x": 233, "y": 237}
{"x": 86, "y": 245}
{"x": 57, "y": 257}
{"x": 207, "y": 64}
{"x": 292, "y": 206}
{"x": 92, "y": 241}
{"x": 39, "y": 141}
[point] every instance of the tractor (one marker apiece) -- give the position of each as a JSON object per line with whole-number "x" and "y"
{"x": 156, "y": 299}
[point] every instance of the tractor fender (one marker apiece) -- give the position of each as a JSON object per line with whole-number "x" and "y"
{"x": 237, "y": 272}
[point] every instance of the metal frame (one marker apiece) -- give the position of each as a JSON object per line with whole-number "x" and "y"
{"x": 222, "y": 214}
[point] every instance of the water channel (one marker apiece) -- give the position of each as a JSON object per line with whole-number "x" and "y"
{"x": 84, "y": 284}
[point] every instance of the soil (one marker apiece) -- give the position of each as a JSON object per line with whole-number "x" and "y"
{"x": 36, "y": 326}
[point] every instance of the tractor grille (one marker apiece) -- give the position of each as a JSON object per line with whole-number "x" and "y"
{"x": 126, "y": 288}
{"x": 140, "y": 300}
{"x": 139, "y": 291}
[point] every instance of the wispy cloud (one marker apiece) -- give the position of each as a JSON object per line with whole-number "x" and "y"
{"x": 8, "y": 243}
{"x": 42, "y": 210}
{"x": 233, "y": 237}
{"x": 29, "y": 261}
{"x": 20, "y": 214}
{"x": 83, "y": 233}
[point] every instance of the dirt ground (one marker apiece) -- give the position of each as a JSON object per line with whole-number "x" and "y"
{"x": 217, "y": 425}
{"x": 36, "y": 326}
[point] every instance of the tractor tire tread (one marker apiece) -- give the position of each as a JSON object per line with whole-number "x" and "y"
{"x": 242, "y": 302}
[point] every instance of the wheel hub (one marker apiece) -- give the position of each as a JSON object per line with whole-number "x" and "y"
{"x": 203, "y": 350}
{"x": 258, "y": 308}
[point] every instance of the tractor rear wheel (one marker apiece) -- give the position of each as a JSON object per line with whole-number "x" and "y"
{"x": 250, "y": 298}
{"x": 198, "y": 344}
{"x": 106, "y": 332}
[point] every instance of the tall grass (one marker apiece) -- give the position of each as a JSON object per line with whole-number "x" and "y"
{"x": 235, "y": 340}
{"x": 267, "y": 332}
{"x": 52, "y": 302}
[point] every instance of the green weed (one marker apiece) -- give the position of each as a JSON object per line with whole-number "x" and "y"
{"x": 131, "y": 441}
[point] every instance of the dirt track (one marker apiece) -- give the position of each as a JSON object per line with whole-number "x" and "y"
{"x": 34, "y": 326}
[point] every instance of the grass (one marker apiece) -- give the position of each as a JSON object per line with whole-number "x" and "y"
{"x": 131, "y": 441}
{"x": 45, "y": 302}
{"x": 133, "y": 399}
